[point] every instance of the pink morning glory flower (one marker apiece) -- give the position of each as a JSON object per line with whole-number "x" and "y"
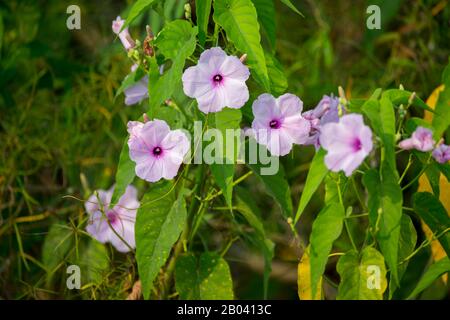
{"x": 325, "y": 112}
{"x": 442, "y": 153}
{"x": 157, "y": 151}
{"x": 217, "y": 81}
{"x": 421, "y": 139}
{"x": 124, "y": 35}
{"x": 348, "y": 143}
{"x": 278, "y": 123}
{"x": 121, "y": 217}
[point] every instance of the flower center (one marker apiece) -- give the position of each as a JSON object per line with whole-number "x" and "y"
{"x": 218, "y": 78}
{"x": 357, "y": 145}
{"x": 157, "y": 151}
{"x": 274, "y": 124}
{"x": 112, "y": 216}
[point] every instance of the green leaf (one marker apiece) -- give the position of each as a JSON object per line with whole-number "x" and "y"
{"x": 445, "y": 170}
{"x": 266, "y": 16}
{"x": 398, "y": 97}
{"x": 434, "y": 176}
{"x": 56, "y": 246}
{"x": 177, "y": 42}
{"x": 359, "y": 275}
{"x": 387, "y": 118}
{"x": 137, "y": 9}
{"x": 171, "y": 116}
{"x": 186, "y": 277}
{"x": 371, "y": 108}
{"x": 431, "y": 210}
{"x": 223, "y": 173}
{"x": 206, "y": 279}
{"x": 292, "y": 7}
{"x": 249, "y": 209}
{"x": 159, "y": 223}
{"x": 385, "y": 214}
{"x": 406, "y": 245}
{"x": 214, "y": 278}
{"x": 277, "y": 187}
{"x": 441, "y": 118}
{"x": 125, "y": 173}
{"x": 278, "y": 79}
{"x": 239, "y": 20}
{"x": 316, "y": 174}
{"x": 434, "y": 271}
{"x": 325, "y": 230}
{"x": 94, "y": 262}
{"x": 203, "y": 10}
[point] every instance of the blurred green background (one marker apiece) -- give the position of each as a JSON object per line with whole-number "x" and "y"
{"x": 61, "y": 128}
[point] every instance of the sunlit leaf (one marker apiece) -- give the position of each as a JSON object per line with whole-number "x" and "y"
{"x": 207, "y": 278}
{"x": 325, "y": 230}
{"x": 431, "y": 210}
{"x": 159, "y": 222}
{"x": 304, "y": 279}
{"x": 203, "y": 10}
{"x": 316, "y": 174}
{"x": 363, "y": 277}
{"x": 138, "y": 8}
{"x": 266, "y": 16}
{"x": 385, "y": 213}
{"x": 125, "y": 173}
{"x": 239, "y": 20}
{"x": 434, "y": 271}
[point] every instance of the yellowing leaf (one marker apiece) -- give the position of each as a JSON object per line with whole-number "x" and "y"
{"x": 304, "y": 279}
{"x": 437, "y": 250}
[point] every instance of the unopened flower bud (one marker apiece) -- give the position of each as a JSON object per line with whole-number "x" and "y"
{"x": 187, "y": 11}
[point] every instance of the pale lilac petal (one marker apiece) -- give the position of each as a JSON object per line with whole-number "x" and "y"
{"x": 149, "y": 169}
{"x": 442, "y": 153}
{"x": 212, "y": 101}
{"x": 98, "y": 228}
{"x": 196, "y": 82}
{"x": 126, "y": 231}
{"x": 421, "y": 139}
{"x": 290, "y": 105}
{"x": 265, "y": 108}
{"x": 154, "y": 132}
{"x": 117, "y": 25}
{"x": 134, "y": 128}
{"x": 407, "y": 144}
{"x": 347, "y": 143}
{"x": 297, "y": 128}
{"x": 217, "y": 81}
{"x": 233, "y": 68}
{"x": 236, "y": 93}
{"x": 334, "y": 136}
{"x": 124, "y": 35}
{"x": 137, "y": 92}
{"x": 213, "y": 57}
{"x": 176, "y": 143}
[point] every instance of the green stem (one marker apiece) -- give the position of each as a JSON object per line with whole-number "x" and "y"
{"x": 345, "y": 220}
{"x": 406, "y": 169}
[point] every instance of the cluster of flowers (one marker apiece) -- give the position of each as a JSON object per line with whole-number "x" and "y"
{"x": 218, "y": 81}
{"x": 422, "y": 140}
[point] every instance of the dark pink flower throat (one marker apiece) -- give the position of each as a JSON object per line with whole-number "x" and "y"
{"x": 157, "y": 151}
{"x": 357, "y": 145}
{"x": 275, "y": 124}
